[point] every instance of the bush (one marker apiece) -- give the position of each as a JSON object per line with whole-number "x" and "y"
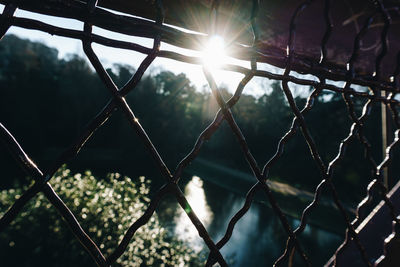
{"x": 105, "y": 209}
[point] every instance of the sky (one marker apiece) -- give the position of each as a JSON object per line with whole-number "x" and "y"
{"x": 110, "y": 56}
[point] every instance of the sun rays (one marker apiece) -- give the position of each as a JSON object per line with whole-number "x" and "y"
{"x": 214, "y": 53}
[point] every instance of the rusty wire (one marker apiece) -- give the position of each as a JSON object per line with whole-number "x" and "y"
{"x": 292, "y": 62}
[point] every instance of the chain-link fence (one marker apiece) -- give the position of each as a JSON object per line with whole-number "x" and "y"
{"x": 381, "y": 90}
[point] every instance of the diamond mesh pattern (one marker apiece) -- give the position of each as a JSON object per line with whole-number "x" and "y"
{"x": 381, "y": 92}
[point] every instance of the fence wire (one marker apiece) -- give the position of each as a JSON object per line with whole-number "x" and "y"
{"x": 382, "y": 91}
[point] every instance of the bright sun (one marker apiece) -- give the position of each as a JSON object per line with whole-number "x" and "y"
{"x": 214, "y": 52}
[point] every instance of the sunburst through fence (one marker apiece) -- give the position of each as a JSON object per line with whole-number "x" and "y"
{"x": 377, "y": 75}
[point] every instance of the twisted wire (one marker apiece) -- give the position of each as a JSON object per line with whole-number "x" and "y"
{"x": 92, "y": 15}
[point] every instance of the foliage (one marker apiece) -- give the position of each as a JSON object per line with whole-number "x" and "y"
{"x": 105, "y": 208}
{"x": 46, "y": 103}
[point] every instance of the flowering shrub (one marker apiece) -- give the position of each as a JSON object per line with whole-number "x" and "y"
{"x": 105, "y": 209}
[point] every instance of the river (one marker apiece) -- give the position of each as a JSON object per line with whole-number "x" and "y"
{"x": 258, "y": 238}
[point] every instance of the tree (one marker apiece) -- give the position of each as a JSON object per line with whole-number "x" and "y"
{"x": 105, "y": 208}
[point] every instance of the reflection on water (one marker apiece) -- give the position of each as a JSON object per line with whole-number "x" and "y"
{"x": 245, "y": 237}
{"x": 258, "y": 238}
{"x": 196, "y": 197}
